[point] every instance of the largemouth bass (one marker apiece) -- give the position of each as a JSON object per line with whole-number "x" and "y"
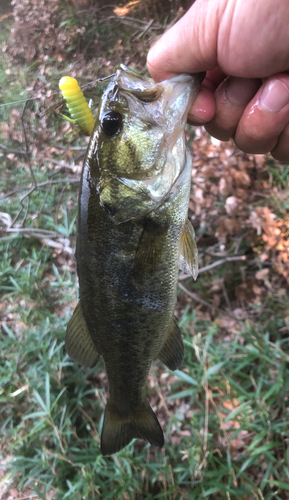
{"x": 133, "y": 236}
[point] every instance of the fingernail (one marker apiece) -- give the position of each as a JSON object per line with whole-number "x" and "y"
{"x": 240, "y": 91}
{"x": 274, "y": 96}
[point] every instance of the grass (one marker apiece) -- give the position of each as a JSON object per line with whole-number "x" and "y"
{"x": 51, "y": 409}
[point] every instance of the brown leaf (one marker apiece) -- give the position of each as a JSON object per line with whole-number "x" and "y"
{"x": 262, "y": 274}
{"x": 232, "y": 204}
{"x": 14, "y": 492}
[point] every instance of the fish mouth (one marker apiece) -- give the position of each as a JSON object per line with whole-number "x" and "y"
{"x": 179, "y": 95}
{"x": 199, "y": 77}
{"x": 144, "y": 88}
{"x": 168, "y": 103}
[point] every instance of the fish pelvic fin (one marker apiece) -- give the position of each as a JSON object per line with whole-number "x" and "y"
{"x": 78, "y": 342}
{"x": 188, "y": 259}
{"x": 172, "y": 352}
{"x": 117, "y": 432}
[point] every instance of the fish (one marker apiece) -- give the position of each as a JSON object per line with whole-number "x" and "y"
{"x": 133, "y": 236}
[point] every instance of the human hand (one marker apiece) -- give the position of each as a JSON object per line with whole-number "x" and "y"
{"x": 244, "y": 48}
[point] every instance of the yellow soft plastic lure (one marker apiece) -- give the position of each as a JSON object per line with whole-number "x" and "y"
{"x": 76, "y": 103}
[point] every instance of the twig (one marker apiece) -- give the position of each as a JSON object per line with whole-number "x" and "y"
{"x": 277, "y": 347}
{"x": 131, "y": 21}
{"x": 26, "y": 212}
{"x": 29, "y": 166}
{"x": 89, "y": 419}
{"x": 16, "y": 151}
{"x": 215, "y": 264}
{"x": 196, "y": 297}
{"x": 58, "y": 204}
{"x": 257, "y": 193}
{"x": 45, "y": 236}
{"x": 162, "y": 401}
{"x": 173, "y": 21}
{"x": 263, "y": 307}
{"x": 146, "y": 28}
{"x": 26, "y": 143}
{"x": 172, "y": 479}
{"x": 208, "y": 224}
{"x": 283, "y": 329}
{"x": 57, "y": 435}
{"x": 16, "y": 393}
{"x": 217, "y": 254}
{"x": 44, "y": 201}
{"x": 220, "y": 262}
{"x": 79, "y": 156}
{"x": 261, "y": 494}
{"x": 61, "y": 163}
{"x": 34, "y": 231}
{"x": 46, "y": 183}
{"x": 226, "y": 296}
{"x": 60, "y": 457}
{"x": 62, "y": 244}
{"x": 239, "y": 241}
{"x": 16, "y": 102}
{"x": 203, "y": 462}
{"x": 17, "y": 215}
{"x": 63, "y": 166}
{"x": 10, "y": 193}
{"x": 129, "y": 18}
{"x": 73, "y": 148}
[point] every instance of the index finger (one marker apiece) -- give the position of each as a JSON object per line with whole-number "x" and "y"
{"x": 189, "y": 46}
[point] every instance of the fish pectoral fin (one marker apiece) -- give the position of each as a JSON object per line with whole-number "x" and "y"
{"x": 188, "y": 259}
{"x": 117, "y": 432}
{"x": 150, "y": 247}
{"x": 172, "y": 352}
{"x": 78, "y": 342}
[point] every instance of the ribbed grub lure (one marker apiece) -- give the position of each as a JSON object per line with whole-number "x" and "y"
{"x": 76, "y": 103}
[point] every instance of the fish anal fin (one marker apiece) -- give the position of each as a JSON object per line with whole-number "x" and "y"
{"x": 172, "y": 352}
{"x": 78, "y": 342}
{"x": 117, "y": 431}
{"x": 188, "y": 259}
{"x": 150, "y": 247}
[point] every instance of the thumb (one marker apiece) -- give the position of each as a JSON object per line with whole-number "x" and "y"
{"x": 190, "y": 45}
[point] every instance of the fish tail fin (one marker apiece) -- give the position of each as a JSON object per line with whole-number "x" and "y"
{"x": 117, "y": 432}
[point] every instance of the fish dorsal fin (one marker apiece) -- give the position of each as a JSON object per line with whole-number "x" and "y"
{"x": 172, "y": 352}
{"x": 78, "y": 342}
{"x": 188, "y": 260}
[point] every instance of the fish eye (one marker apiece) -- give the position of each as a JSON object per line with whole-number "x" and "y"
{"x": 111, "y": 123}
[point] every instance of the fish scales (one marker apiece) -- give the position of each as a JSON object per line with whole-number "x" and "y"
{"x": 133, "y": 236}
